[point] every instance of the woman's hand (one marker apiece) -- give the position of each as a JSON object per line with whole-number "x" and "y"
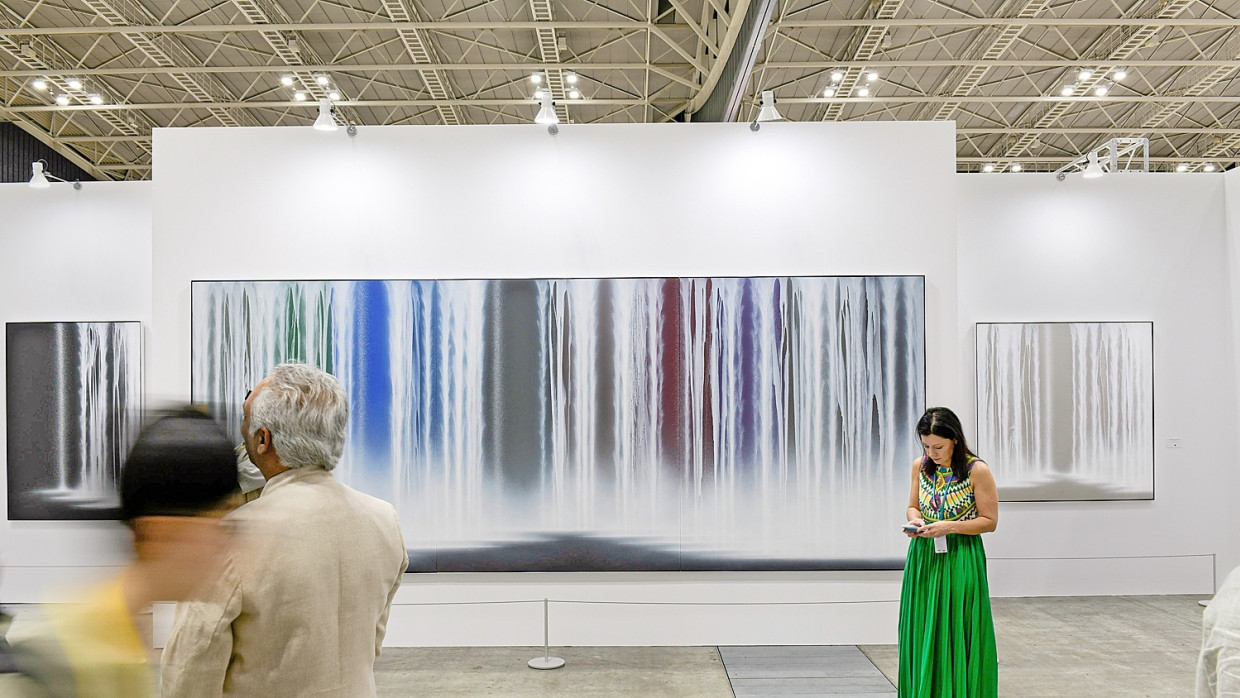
{"x": 938, "y": 529}
{"x": 914, "y": 522}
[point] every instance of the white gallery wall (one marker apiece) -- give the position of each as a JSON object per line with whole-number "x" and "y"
{"x": 1126, "y": 247}
{"x": 68, "y": 256}
{"x": 680, "y": 200}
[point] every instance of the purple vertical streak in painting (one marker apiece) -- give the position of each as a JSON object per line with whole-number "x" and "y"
{"x": 371, "y": 401}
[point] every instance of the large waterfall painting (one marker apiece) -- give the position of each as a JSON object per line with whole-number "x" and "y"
{"x": 73, "y": 398}
{"x": 604, "y": 424}
{"x": 1066, "y": 410}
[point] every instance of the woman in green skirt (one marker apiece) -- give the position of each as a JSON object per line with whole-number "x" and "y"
{"x": 947, "y": 636}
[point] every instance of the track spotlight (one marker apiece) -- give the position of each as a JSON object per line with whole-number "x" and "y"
{"x": 1093, "y": 170}
{"x": 546, "y": 113}
{"x": 39, "y": 176}
{"x": 325, "y": 122}
{"x": 768, "y": 112}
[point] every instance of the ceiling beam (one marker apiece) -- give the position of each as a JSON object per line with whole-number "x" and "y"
{"x": 864, "y": 45}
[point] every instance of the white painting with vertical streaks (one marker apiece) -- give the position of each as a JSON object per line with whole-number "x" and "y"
{"x": 1065, "y": 411}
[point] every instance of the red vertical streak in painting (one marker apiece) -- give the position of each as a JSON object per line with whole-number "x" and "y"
{"x": 671, "y": 359}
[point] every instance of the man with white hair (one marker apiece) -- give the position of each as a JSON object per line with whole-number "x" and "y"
{"x": 302, "y": 606}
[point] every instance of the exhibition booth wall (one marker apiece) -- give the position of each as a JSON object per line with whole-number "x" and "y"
{"x": 677, "y": 200}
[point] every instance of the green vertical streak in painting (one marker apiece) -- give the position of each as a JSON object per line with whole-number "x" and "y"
{"x": 323, "y": 320}
{"x": 295, "y": 327}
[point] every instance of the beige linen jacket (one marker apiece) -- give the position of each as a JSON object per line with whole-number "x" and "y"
{"x": 302, "y": 604}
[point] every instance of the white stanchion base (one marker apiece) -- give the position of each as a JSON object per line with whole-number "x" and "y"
{"x": 546, "y": 663}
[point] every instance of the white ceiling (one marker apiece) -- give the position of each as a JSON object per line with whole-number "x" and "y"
{"x": 997, "y": 67}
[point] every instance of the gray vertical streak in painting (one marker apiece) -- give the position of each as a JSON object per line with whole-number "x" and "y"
{"x": 1065, "y": 410}
{"x": 74, "y": 396}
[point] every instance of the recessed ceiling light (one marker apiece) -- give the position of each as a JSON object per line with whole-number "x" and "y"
{"x": 988, "y": 168}
{"x": 74, "y": 83}
{"x": 299, "y": 96}
{"x": 62, "y": 99}
{"x": 829, "y": 92}
{"x": 1085, "y": 74}
{"x": 536, "y": 78}
{"x": 1210, "y": 167}
{"x": 96, "y": 99}
{"x": 333, "y": 95}
{"x": 837, "y": 75}
{"x": 39, "y": 84}
{"x": 286, "y": 80}
{"x": 871, "y": 76}
{"x": 321, "y": 79}
{"x": 1181, "y": 167}
{"x": 1016, "y": 167}
{"x": 1121, "y": 73}
{"x": 1068, "y": 90}
{"x": 571, "y": 78}
{"x": 863, "y": 92}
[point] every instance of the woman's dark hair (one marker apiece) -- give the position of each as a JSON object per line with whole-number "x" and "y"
{"x": 941, "y": 421}
{"x": 181, "y": 465}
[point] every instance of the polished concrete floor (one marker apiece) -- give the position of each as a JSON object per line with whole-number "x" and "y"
{"x": 1061, "y": 646}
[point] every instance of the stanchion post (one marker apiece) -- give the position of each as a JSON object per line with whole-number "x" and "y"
{"x": 546, "y": 661}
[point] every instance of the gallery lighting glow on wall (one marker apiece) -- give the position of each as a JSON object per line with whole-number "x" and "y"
{"x": 39, "y": 176}
{"x": 325, "y": 122}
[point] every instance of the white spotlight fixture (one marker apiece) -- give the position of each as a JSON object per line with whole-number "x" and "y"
{"x": 299, "y": 96}
{"x": 863, "y": 92}
{"x": 1085, "y": 74}
{"x": 574, "y": 94}
{"x": 325, "y": 122}
{"x": 1182, "y": 167}
{"x": 62, "y": 99}
{"x": 546, "y": 112}
{"x": 73, "y": 83}
{"x": 39, "y": 84}
{"x": 1100, "y": 91}
{"x": 829, "y": 92}
{"x": 39, "y": 176}
{"x": 1068, "y": 90}
{"x": 1209, "y": 167}
{"x": 95, "y": 99}
{"x": 536, "y": 78}
{"x": 321, "y": 79}
{"x": 570, "y": 78}
{"x": 1093, "y": 170}
{"x": 1120, "y": 74}
{"x": 837, "y": 75}
{"x": 1016, "y": 167}
{"x": 768, "y": 112}
{"x": 333, "y": 96}
{"x": 988, "y": 168}
{"x": 871, "y": 76}
{"x": 286, "y": 80}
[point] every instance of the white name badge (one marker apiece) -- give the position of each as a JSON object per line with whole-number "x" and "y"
{"x": 940, "y": 544}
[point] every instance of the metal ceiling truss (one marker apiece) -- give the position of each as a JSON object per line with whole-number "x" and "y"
{"x": 999, "y": 68}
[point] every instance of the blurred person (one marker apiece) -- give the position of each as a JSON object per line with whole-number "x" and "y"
{"x": 946, "y": 631}
{"x": 1218, "y": 667}
{"x": 302, "y": 605}
{"x": 175, "y": 486}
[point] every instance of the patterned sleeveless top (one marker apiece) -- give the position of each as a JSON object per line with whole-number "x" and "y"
{"x": 944, "y": 498}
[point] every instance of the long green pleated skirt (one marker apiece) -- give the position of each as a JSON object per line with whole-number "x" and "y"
{"x": 947, "y": 635}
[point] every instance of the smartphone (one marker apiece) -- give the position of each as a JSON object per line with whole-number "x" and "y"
{"x": 911, "y": 528}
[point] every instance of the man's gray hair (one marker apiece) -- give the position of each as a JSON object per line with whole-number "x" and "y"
{"x": 306, "y": 410}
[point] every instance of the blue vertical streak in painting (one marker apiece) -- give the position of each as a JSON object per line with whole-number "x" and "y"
{"x": 371, "y": 400}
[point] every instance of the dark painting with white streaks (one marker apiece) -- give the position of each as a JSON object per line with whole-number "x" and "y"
{"x": 73, "y": 403}
{"x": 1066, "y": 410}
{"x": 604, "y": 424}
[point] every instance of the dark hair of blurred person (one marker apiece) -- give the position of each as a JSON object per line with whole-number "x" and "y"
{"x": 175, "y": 486}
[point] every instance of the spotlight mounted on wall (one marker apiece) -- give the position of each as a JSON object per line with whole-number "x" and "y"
{"x": 768, "y": 112}
{"x": 39, "y": 176}
{"x": 1109, "y": 157}
{"x": 325, "y": 122}
{"x": 546, "y": 112}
